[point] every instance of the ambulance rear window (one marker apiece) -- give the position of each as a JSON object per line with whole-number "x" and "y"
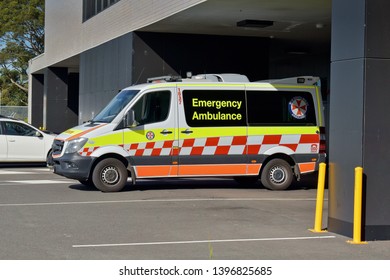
{"x": 280, "y": 108}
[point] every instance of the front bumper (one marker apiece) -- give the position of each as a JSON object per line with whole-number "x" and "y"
{"x": 73, "y": 166}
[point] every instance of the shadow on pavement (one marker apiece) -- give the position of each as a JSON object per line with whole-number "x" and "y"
{"x": 307, "y": 182}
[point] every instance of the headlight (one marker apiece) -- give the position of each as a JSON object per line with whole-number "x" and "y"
{"x": 75, "y": 145}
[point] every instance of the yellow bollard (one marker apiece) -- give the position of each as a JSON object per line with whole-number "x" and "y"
{"x": 320, "y": 199}
{"x": 357, "y": 208}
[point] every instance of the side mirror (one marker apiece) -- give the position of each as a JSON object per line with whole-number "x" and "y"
{"x": 130, "y": 119}
{"x": 38, "y": 134}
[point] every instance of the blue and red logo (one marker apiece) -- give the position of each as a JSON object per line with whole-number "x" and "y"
{"x": 298, "y": 107}
{"x": 150, "y": 135}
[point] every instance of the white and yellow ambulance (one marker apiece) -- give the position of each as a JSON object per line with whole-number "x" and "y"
{"x": 205, "y": 125}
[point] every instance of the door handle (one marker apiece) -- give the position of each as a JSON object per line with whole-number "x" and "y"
{"x": 12, "y": 140}
{"x": 165, "y": 132}
{"x": 187, "y": 131}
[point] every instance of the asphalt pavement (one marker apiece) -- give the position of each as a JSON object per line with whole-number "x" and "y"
{"x": 48, "y": 217}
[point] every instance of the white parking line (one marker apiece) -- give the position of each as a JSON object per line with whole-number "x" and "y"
{"x": 39, "y": 182}
{"x": 9, "y": 172}
{"x": 34, "y": 182}
{"x": 202, "y": 241}
{"x": 21, "y": 172}
{"x": 153, "y": 200}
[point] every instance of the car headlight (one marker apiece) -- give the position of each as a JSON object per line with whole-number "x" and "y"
{"x": 75, "y": 145}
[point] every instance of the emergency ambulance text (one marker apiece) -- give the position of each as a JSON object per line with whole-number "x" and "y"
{"x": 216, "y": 117}
{"x": 218, "y": 104}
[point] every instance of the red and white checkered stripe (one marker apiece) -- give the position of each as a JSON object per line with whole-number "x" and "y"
{"x": 161, "y": 148}
{"x": 298, "y": 143}
{"x": 228, "y": 145}
{"x": 86, "y": 152}
{"x": 239, "y": 145}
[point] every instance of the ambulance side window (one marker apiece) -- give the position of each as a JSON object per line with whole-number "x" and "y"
{"x": 152, "y": 107}
{"x": 280, "y": 108}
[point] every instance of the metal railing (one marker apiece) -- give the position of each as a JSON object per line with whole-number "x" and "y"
{"x": 17, "y": 112}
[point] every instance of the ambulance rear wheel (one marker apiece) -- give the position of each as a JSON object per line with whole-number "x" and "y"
{"x": 277, "y": 175}
{"x": 109, "y": 175}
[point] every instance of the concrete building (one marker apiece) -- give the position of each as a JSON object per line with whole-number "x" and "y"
{"x": 93, "y": 48}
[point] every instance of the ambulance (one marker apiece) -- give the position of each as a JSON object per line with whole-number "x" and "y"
{"x": 209, "y": 125}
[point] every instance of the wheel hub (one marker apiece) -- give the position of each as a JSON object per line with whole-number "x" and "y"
{"x": 277, "y": 175}
{"x": 110, "y": 175}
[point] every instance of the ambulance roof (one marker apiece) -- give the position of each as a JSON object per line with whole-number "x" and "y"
{"x": 224, "y": 79}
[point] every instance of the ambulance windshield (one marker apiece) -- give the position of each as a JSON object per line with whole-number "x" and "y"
{"x": 115, "y": 106}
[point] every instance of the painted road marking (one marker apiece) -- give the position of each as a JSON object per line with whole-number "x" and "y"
{"x": 34, "y": 182}
{"x": 153, "y": 200}
{"x": 21, "y": 172}
{"x": 202, "y": 241}
{"x": 38, "y": 182}
{"x": 8, "y": 172}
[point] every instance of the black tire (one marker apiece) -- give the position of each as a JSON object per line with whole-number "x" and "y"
{"x": 110, "y": 175}
{"x": 49, "y": 159}
{"x": 277, "y": 175}
{"x": 246, "y": 180}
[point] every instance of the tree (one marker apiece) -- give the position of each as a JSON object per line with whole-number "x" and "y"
{"x": 21, "y": 38}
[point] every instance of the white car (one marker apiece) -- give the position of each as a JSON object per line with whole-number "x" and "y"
{"x": 22, "y": 142}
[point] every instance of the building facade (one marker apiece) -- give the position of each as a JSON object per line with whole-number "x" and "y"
{"x": 94, "y": 48}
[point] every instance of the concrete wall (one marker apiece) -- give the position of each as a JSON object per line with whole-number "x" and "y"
{"x": 36, "y": 100}
{"x": 290, "y": 58}
{"x": 104, "y": 71}
{"x": 134, "y": 57}
{"x": 162, "y": 54}
{"x": 59, "y": 111}
{"x": 65, "y": 18}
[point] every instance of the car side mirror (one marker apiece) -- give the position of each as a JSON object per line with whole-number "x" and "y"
{"x": 38, "y": 134}
{"x": 130, "y": 119}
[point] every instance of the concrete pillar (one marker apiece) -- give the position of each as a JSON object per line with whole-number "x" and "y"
{"x": 37, "y": 85}
{"x": 359, "y": 116}
{"x": 59, "y": 111}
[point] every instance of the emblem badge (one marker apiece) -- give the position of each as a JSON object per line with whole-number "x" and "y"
{"x": 150, "y": 135}
{"x": 298, "y": 107}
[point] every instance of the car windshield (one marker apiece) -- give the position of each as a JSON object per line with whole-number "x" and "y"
{"x": 115, "y": 106}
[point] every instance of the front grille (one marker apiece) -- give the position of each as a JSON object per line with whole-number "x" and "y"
{"x": 57, "y": 147}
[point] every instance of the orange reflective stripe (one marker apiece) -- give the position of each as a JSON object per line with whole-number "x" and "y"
{"x": 174, "y": 171}
{"x": 197, "y": 170}
{"x": 84, "y": 132}
{"x": 307, "y": 167}
{"x": 254, "y": 169}
{"x": 215, "y": 170}
{"x": 153, "y": 170}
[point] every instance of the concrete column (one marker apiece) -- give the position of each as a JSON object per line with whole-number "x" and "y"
{"x": 36, "y": 101}
{"x": 59, "y": 111}
{"x": 359, "y": 116}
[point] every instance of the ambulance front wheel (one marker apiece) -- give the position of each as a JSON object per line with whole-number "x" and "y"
{"x": 277, "y": 175}
{"x": 109, "y": 175}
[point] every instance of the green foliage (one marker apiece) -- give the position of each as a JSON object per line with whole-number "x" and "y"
{"x": 21, "y": 38}
{"x": 11, "y": 94}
